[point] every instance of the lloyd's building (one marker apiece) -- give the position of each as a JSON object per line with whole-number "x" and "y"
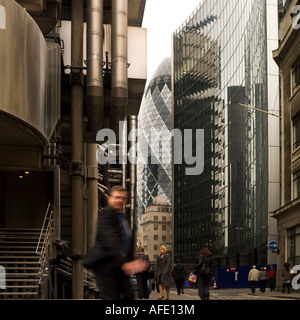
{"x": 225, "y": 82}
{"x": 68, "y": 69}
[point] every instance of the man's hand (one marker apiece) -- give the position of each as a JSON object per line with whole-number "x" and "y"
{"x": 135, "y": 266}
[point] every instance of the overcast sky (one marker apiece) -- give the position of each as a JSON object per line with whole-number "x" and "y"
{"x": 161, "y": 19}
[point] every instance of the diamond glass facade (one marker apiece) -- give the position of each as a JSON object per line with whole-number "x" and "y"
{"x": 154, "y": 157}
{"x": 220, "y": 65}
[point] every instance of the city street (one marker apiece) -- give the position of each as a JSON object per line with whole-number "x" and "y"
{"x": 163, "y": 132}
{"x": 230, "y": 294}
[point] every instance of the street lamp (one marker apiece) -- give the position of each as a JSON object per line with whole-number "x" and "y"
{"x": 269, "y": 113}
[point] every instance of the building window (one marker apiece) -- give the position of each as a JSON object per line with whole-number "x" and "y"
{"x": 155, "y": 227}
{"x": 155, "y": 218}
{"x": 164, "y": 238}
{"x": 296, "y": 75}
{"x": 164, "y": 227}
{"x": 145, "y": 238}
{"x": 296, "y": 135}
{"x": 294, "y": 245}
{"x": 296, "y": 184}
{"x": 164, "y": 218}
{"x": 155, "y": 237}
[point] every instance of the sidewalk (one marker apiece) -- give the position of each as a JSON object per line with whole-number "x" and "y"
{"x": 295, "y": 295}
{"x": 229, "y": 294}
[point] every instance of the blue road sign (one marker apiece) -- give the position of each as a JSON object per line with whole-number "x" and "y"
{"x": 273, "y": 245}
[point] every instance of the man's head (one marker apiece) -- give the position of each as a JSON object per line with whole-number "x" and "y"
{"x": 117, "y": 198}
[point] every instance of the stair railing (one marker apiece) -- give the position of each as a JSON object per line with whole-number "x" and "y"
{"x": 44, "y": 242}
{"x": 65, "y": 268}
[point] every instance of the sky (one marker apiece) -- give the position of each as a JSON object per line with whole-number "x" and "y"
{"x": 161, "y": 19}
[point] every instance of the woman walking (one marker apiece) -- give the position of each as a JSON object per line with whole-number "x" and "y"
{"x": 163, "y": 272}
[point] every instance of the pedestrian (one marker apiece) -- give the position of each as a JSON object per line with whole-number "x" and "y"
{"x": 163, "y": 272}
{"x": 205, "y": 271}
{"x": 286, "y": 277}
{"x": 262, "y": 279}
{"x": 150, "y": 280}
{"x": 272, "y": 278}
{"x": 142, "y": 277}
{"x": 253, "y": 277}
{"x": 179, "y": 276}
{"x": 111, "y": 256}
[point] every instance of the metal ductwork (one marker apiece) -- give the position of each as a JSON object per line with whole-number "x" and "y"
{"x": 119, "y": 82}
{"x": 94, "y": 85}
{"x": 46, "y": 13}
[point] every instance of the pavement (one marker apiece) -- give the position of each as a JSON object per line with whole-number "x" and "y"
{"x": 229, "y": 294}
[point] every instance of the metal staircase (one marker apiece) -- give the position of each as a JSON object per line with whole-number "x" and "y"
{"x": 21, "y": 262}
{"x": 24, "y": 257}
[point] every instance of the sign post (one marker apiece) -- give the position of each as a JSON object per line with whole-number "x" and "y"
{"x": 273, "y": 246}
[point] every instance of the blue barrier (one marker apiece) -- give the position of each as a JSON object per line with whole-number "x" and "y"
{"x": 234, "y": 280}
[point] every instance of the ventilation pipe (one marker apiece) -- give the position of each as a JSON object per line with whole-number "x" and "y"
{"x": 77, "y": 173}
{"x": 94, "y": 86}
{"x": 119, "y": 85}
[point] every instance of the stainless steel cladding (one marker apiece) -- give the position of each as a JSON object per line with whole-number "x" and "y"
{"x": 29, "y": 73}
{"x": 95, "y": 60}
{"x": 119, "y": 82}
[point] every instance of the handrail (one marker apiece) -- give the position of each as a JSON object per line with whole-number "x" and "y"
{"x": 43, "y": 244}
{"x": 43, "y": 226}
{"x": 65, "y": 267}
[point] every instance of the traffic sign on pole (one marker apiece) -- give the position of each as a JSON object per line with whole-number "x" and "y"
{"x": 273, "y": 245}
{"x": 233, "y": 269}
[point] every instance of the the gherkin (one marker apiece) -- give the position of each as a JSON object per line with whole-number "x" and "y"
{"x": 154, "y": 175}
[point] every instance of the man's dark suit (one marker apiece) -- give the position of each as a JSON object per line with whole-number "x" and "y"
{"x": 107, "y": 257}
{"x": 179, "y": 275}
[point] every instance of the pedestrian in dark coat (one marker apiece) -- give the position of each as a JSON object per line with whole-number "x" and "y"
{"x": 110, "y": 258}
{"x": 205, "y": 271}
{"x": 163, "y": 272}
{"x": 179, "y": 276}
{"x": 142, "y": 277}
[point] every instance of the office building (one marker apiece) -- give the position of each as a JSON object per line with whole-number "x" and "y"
{"x": 68, "y": 70}
{"x": 287, "y": 56}
{"x": 154, "y": 157}
{"x": 226, "y": 83}
{"x": 156, "y": 228}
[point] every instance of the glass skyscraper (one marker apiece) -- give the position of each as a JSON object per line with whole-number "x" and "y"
{"x": 222, "y": 66}
{"x": 154, "y": 168}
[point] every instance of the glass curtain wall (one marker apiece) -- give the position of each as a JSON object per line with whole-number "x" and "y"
{"x": 154, "y": 166}
{"x": 220, "y": 65}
